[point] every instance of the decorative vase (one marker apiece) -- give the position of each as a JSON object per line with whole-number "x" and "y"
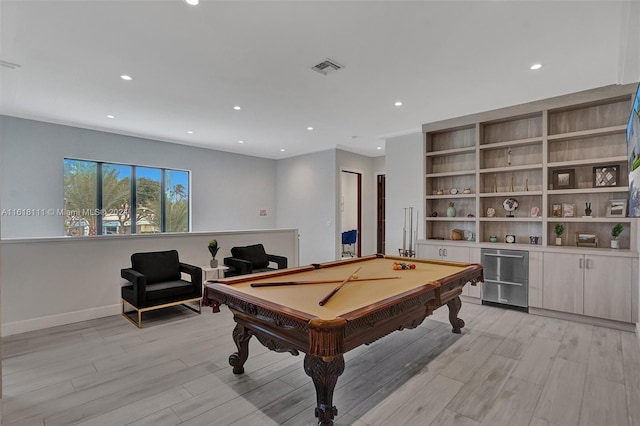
{"x": 558, "y": 241}
{"x": 213, "y": 263}
{"x": 451, "y": 210}
{"x": 614, "y": 244}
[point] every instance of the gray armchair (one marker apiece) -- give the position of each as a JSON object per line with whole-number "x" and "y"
{"x": 156, "y": 282}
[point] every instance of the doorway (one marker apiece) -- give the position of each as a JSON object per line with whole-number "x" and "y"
{"x": 351, "y": 213}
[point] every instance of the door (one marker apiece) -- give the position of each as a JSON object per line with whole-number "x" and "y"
{"x": 563, "y": 282}
{"x": 351, "y": 211}
{"x": 607, "y": 287}
{"x": 380, "y": 239}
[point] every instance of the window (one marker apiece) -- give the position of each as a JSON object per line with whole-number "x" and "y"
{"x": 105, "y": 199}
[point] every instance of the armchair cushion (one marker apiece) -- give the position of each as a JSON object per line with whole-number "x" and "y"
{"x": 254, "y": 254}
{"x": 157, "y": 267}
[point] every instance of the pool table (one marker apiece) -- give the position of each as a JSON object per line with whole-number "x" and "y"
{"x": 282, "y": 310}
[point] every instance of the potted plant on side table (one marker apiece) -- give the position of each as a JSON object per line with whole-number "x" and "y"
{"x": 213, "y": 249}
{"x": 559, "y": 230}
{"x": 615, "y": 233}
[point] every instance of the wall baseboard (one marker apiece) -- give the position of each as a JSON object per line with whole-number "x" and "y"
{"x": 40, "y": 323}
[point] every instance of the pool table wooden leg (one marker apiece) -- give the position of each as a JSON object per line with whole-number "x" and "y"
{"x": 454, "y": 307}
{"x": 325, "y": 376}
{"x": 241, "y": 336}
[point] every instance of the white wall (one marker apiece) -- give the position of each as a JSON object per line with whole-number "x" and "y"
{"x": 404, "y": 186}
{"x": 54, "y": 281}
{"x": 306, "y": 200}
{"x": 227, "y": 191}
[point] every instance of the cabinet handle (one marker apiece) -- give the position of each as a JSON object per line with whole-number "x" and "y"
{"x": 580, "y": 263}
{"x": 440, "y": 252}
{"x": 588, "y": 263}
{"x": 445, "y": 252}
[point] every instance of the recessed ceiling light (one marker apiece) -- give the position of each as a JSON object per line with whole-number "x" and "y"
{"x": 379, "y": 147}
{"x": 309, "y": 128}
{"x": 281, "y": 149}
{"x": 126, "y": 77}
{"x": 398, "y": 103}
{"x": 535, "y": 66}
{"x": 190, "y": 132}
{"x": 237, "y": 107}
{"x": 240, "y": 141}
{"x": 192, "y": 2}
{"x": 111, "y": 116}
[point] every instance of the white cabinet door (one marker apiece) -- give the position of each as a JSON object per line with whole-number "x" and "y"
{"x": 455, "y": 253}
{"x": 427, "y": 251}
{"x": 451, "y": 253}
{"x": 563, "y": 282}
{"x": 473, "y": 290}
{"x": 535, "y": 279}
{"x": 607, "y": 287}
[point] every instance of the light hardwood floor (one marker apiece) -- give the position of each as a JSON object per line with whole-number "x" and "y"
{"x": 506, "y": 368}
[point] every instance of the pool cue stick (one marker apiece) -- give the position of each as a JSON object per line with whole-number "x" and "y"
{"x": 404, "y": 231}
{"x": 283, "y": 283}
{"x": 410, "y": 230}
{"x": 338, "y": 287}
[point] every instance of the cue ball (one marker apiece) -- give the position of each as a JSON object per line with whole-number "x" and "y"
{"x": 354, "y": 276}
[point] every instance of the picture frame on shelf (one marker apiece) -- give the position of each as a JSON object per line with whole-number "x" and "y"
{"x": 586, "y": 239}
{"x": 564, "y": 179}
{"x": 617, "y": 208}
{"x": 556, "y": 210}
{"x": 568, "y": 210}
{"x": 606, "y": 176}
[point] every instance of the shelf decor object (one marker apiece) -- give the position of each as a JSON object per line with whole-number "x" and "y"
{"x": 510, "y": 205}
{"x": 559, "y": 229}
{"x": 568, "y": 210}
{"x": 556, "y": 210}
{"x": 586, "y": 239}
{"x": 606, "y": 176}
{"x": 615, "y": 233}
{"x": 564, "y": 179}
{"x": 617, "y": 208}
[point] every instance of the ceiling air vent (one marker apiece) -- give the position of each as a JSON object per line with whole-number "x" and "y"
{"x": 327, "y": 66}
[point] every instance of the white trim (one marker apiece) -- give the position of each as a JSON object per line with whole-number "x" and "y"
{"x": 17, "y": 327}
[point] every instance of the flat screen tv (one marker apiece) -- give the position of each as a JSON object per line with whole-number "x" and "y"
{"x": 633, "y": 151}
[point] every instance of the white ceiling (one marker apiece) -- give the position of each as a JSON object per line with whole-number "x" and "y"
{"x": 191, "y": 65}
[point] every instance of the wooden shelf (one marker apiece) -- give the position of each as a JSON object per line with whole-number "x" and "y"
{"x": 588, "y": 133}
{"x": 588, "y": 162}
{"x": 447, "y": 196}
{"x": 599, "y": 190}
{"x": 448, "y": 174}
{"x": 514, "y": 143}
{"x": 553, "y": 219}
{"x": 511, "y": 194}
{"x": 512, "y": 168}
{"x": 450, "y": 219}
{"x": 577, "y": 132}
{"x": 453, "y": 151}
{"x": 512, "y": 219}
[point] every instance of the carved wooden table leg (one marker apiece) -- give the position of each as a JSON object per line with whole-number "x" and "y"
{"x": 324, "y": 375}
{"x": 241, "y": 336}
{"x": 454, "y": 307}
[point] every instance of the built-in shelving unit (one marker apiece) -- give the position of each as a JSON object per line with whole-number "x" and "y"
{"x": 543, "y": 155}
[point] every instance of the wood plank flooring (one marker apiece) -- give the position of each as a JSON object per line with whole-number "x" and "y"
{"x": 506, "y": 368}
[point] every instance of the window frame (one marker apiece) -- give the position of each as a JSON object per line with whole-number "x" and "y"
{"x": 133, "y": 194}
